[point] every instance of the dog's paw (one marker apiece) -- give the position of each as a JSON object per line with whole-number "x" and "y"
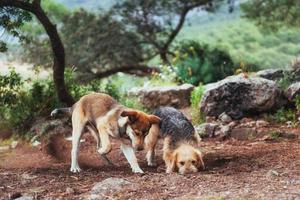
{"x": 138, "y": 171}
{"x": 75, "y": 169}
{"x": 152, "y": 164}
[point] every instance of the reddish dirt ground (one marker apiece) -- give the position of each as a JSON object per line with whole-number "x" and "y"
{"x": 251, "y": 169}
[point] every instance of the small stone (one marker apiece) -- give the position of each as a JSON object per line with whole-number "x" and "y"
{"x": 210, "y": 119}
{"x": 261, "y": 123}
{"x": 108, "y": 187}
{"x": 246, "y": 120}
{"x": 35, "y": 143}
{"x": 226, "y": 130}
{"x": 14, "y": 144}
{"x": 225, "y": 118}
{"x": 272, "y": 173}
{"x": 206, "y": 129}
{"x": 25, "y": 198}
{"x": 70, "y": 190}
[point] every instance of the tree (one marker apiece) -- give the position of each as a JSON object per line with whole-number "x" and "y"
{"x": 158, "y": 22}
{"x": 97, "y": 44}
{"x": 273, "y": 14}
{"x": 12, "y": 9}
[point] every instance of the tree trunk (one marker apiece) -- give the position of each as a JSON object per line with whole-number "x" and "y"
{"x": 56, "y": 44}
{"x": 59, "y": 58}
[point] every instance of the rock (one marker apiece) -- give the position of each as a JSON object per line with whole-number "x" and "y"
{"x": 271, "y": 74}
{"x": 292, "y": 91}
{"x": 4, "y": 148}
{"x": 225, "y": 118}
{"x": 28, "y": 176}
{"x": 109, "y": 187}
{"x": 238, "y": 96}
{"x": 272, "y": 173}
{"x": 25, "y": 198}
{"x": 206, "y": 129}
{"x": 176, "y": 96}
{"x": 226, "y": 130}
{"x": 70, "y": 190}
{"x": 14, "y": 144}
{"x": 261, "y": 123}
{"x": 243, "y": 133}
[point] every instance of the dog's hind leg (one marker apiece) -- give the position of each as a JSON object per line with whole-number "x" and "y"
{"x": 95, "y": 135}
{"x": 78, "y": 125}
{"x": 150, "y": 143}
{"x": 131, "y": 158}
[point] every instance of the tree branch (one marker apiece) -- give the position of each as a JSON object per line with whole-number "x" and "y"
{"x": 139, "y": 70}
{"x": 56, "y": 44}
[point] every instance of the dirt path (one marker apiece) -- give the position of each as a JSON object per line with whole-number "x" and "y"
{"x": 235, "y": 170}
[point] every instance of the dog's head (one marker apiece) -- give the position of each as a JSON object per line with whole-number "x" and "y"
{"x": 187, "y": 159}
{"x": 139, "y": 124}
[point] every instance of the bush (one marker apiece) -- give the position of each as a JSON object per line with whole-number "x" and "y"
{"x": 195, "y": 63}
{"x": 196, "y": 97}
{"x": 23, "y": 101}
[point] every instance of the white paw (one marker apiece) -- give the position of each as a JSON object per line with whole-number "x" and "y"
{"x": 75, "y": 169}
{"x": 152, "y": 164}
{"x": 138, "y": 170}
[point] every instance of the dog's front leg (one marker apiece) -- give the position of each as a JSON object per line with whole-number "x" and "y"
{"x": 131, "y": 158}
{"x": 150, "y": 143}
{"x": 104, "y": 139}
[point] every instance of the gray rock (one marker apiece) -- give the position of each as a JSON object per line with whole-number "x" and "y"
{"x": 292, "y": 91}
{"x": 271, "y": 74}
{"x": 225, "y": 118}
{"x": 261, "y": 123}
{"x": 176, "y": 96}
{"x": 239, "y": 96}
{"x": 206, "y": 129}
{"x": 25, "y": 198}
{"x": 109, "y": 187}
{"x": 243, "y": 133}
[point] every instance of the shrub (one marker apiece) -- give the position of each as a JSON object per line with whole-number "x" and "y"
{"x": 283, "y": 115}
{"x": 275, "y": 135}
{"x": 23, "y": 101}
{"x": 196, "y": 96}
{"x": 197, "y": 63}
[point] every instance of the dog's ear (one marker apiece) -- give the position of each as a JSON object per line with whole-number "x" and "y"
{"x": 200, "y": 159}
{"x": 154, "y": 119}
{"x": 131, "y": 114}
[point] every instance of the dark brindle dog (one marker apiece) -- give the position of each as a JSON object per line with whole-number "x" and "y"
{"x": 180, "y": 149}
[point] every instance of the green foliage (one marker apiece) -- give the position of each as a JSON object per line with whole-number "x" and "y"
{"x": 11, "y": 19}
{"x": 245, "y": 42}
{"x": 132, "y": 102}
{"x": 196, "y": 97}
{"x": 297, "y": 103}
{"x": 23, "y": 101}
{"x": 197, "y": 63}
{"x": 283, "y": 115}
{"x": 273, "y": 14}
{"x": 275, "y": 135}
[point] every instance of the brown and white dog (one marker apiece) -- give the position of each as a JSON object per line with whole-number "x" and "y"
{"x": 180, "y": 149}
{"x": 103, "y": 116}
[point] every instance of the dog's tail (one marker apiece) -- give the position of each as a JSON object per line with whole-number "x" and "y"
{"x": 61, "y": 111}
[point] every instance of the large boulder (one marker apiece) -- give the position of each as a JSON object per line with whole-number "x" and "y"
{"x": 292, "y": 91}
{"x": 176, "y": 96}
{"x": 238, "y": 96}
{"x": 271, "y": 74}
